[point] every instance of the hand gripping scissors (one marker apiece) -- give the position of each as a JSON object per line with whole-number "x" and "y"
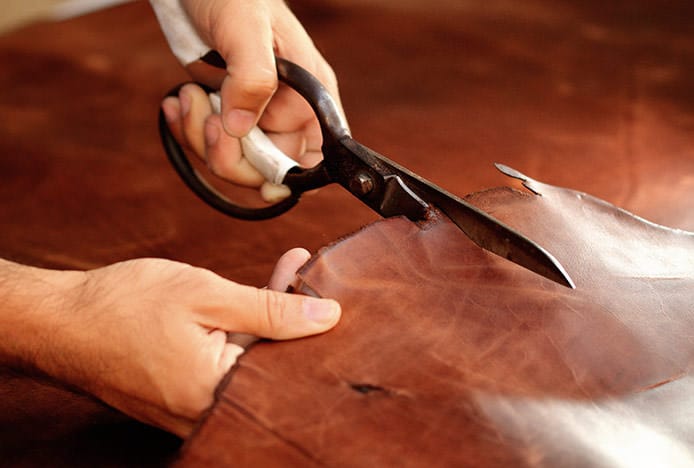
{"x": 386, "y": 187}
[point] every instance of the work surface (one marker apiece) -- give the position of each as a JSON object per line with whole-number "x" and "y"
{"x": 587, "y": 95}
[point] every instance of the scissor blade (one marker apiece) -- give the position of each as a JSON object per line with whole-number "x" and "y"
{"x": 484, "y": 230}
{"x": 408, "y": 194}
{"x": 496, "y": 237}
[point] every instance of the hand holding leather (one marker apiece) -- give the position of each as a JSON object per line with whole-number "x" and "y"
{"x": 149, "y": 336}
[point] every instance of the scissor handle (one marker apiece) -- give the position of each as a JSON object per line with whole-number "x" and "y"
{"x": 333, "y": 128}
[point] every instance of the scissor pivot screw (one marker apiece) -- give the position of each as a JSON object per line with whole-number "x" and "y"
{"x": 362, "y": 184}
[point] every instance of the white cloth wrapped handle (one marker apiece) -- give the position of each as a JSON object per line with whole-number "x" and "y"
{"x": 183, "y": 39}
{"x": 260, "y": 151}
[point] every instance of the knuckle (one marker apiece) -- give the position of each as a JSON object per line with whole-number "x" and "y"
{"x": 257, "y": 88}
{"x": 217, "y": 164}
{"x": 190, "y": 402}
{"x": 197, "y": 278}
{"x": 222, "y": 165}
{"x": 327, "y": 74}
{"x": 273, "y": 311}
{"x": 330, "y": 76}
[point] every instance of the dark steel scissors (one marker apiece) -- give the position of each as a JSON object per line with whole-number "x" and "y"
{"x": 386, "y": 187}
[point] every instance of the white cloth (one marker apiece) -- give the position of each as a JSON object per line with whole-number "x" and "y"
{"x": 183, "y": 39}
{"x": 73, "y": 8}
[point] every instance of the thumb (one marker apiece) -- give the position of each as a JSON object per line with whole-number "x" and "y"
{"x": 245, "y": 40}
{"x": 282, "y": 316}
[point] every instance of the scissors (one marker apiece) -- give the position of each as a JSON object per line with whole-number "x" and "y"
{"x": 386, "y": 187}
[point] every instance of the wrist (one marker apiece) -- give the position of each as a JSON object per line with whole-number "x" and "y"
{"x": 35, "y": 309}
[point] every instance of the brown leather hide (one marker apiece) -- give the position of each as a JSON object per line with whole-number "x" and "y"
{"x": 450, "y": 356}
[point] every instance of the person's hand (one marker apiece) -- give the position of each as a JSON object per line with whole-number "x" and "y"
{"x": 248, "y": 34}
{"x": 149, "y": 336}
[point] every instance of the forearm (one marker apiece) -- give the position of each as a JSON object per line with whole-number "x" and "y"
{"x": 34, "y": 308}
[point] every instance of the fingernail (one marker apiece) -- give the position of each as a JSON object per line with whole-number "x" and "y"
{"x": 321, "y": 310}
{"x": 186, "y": 100}
{"x": 211, "y": 134}
{"x": 238, "y": 122}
